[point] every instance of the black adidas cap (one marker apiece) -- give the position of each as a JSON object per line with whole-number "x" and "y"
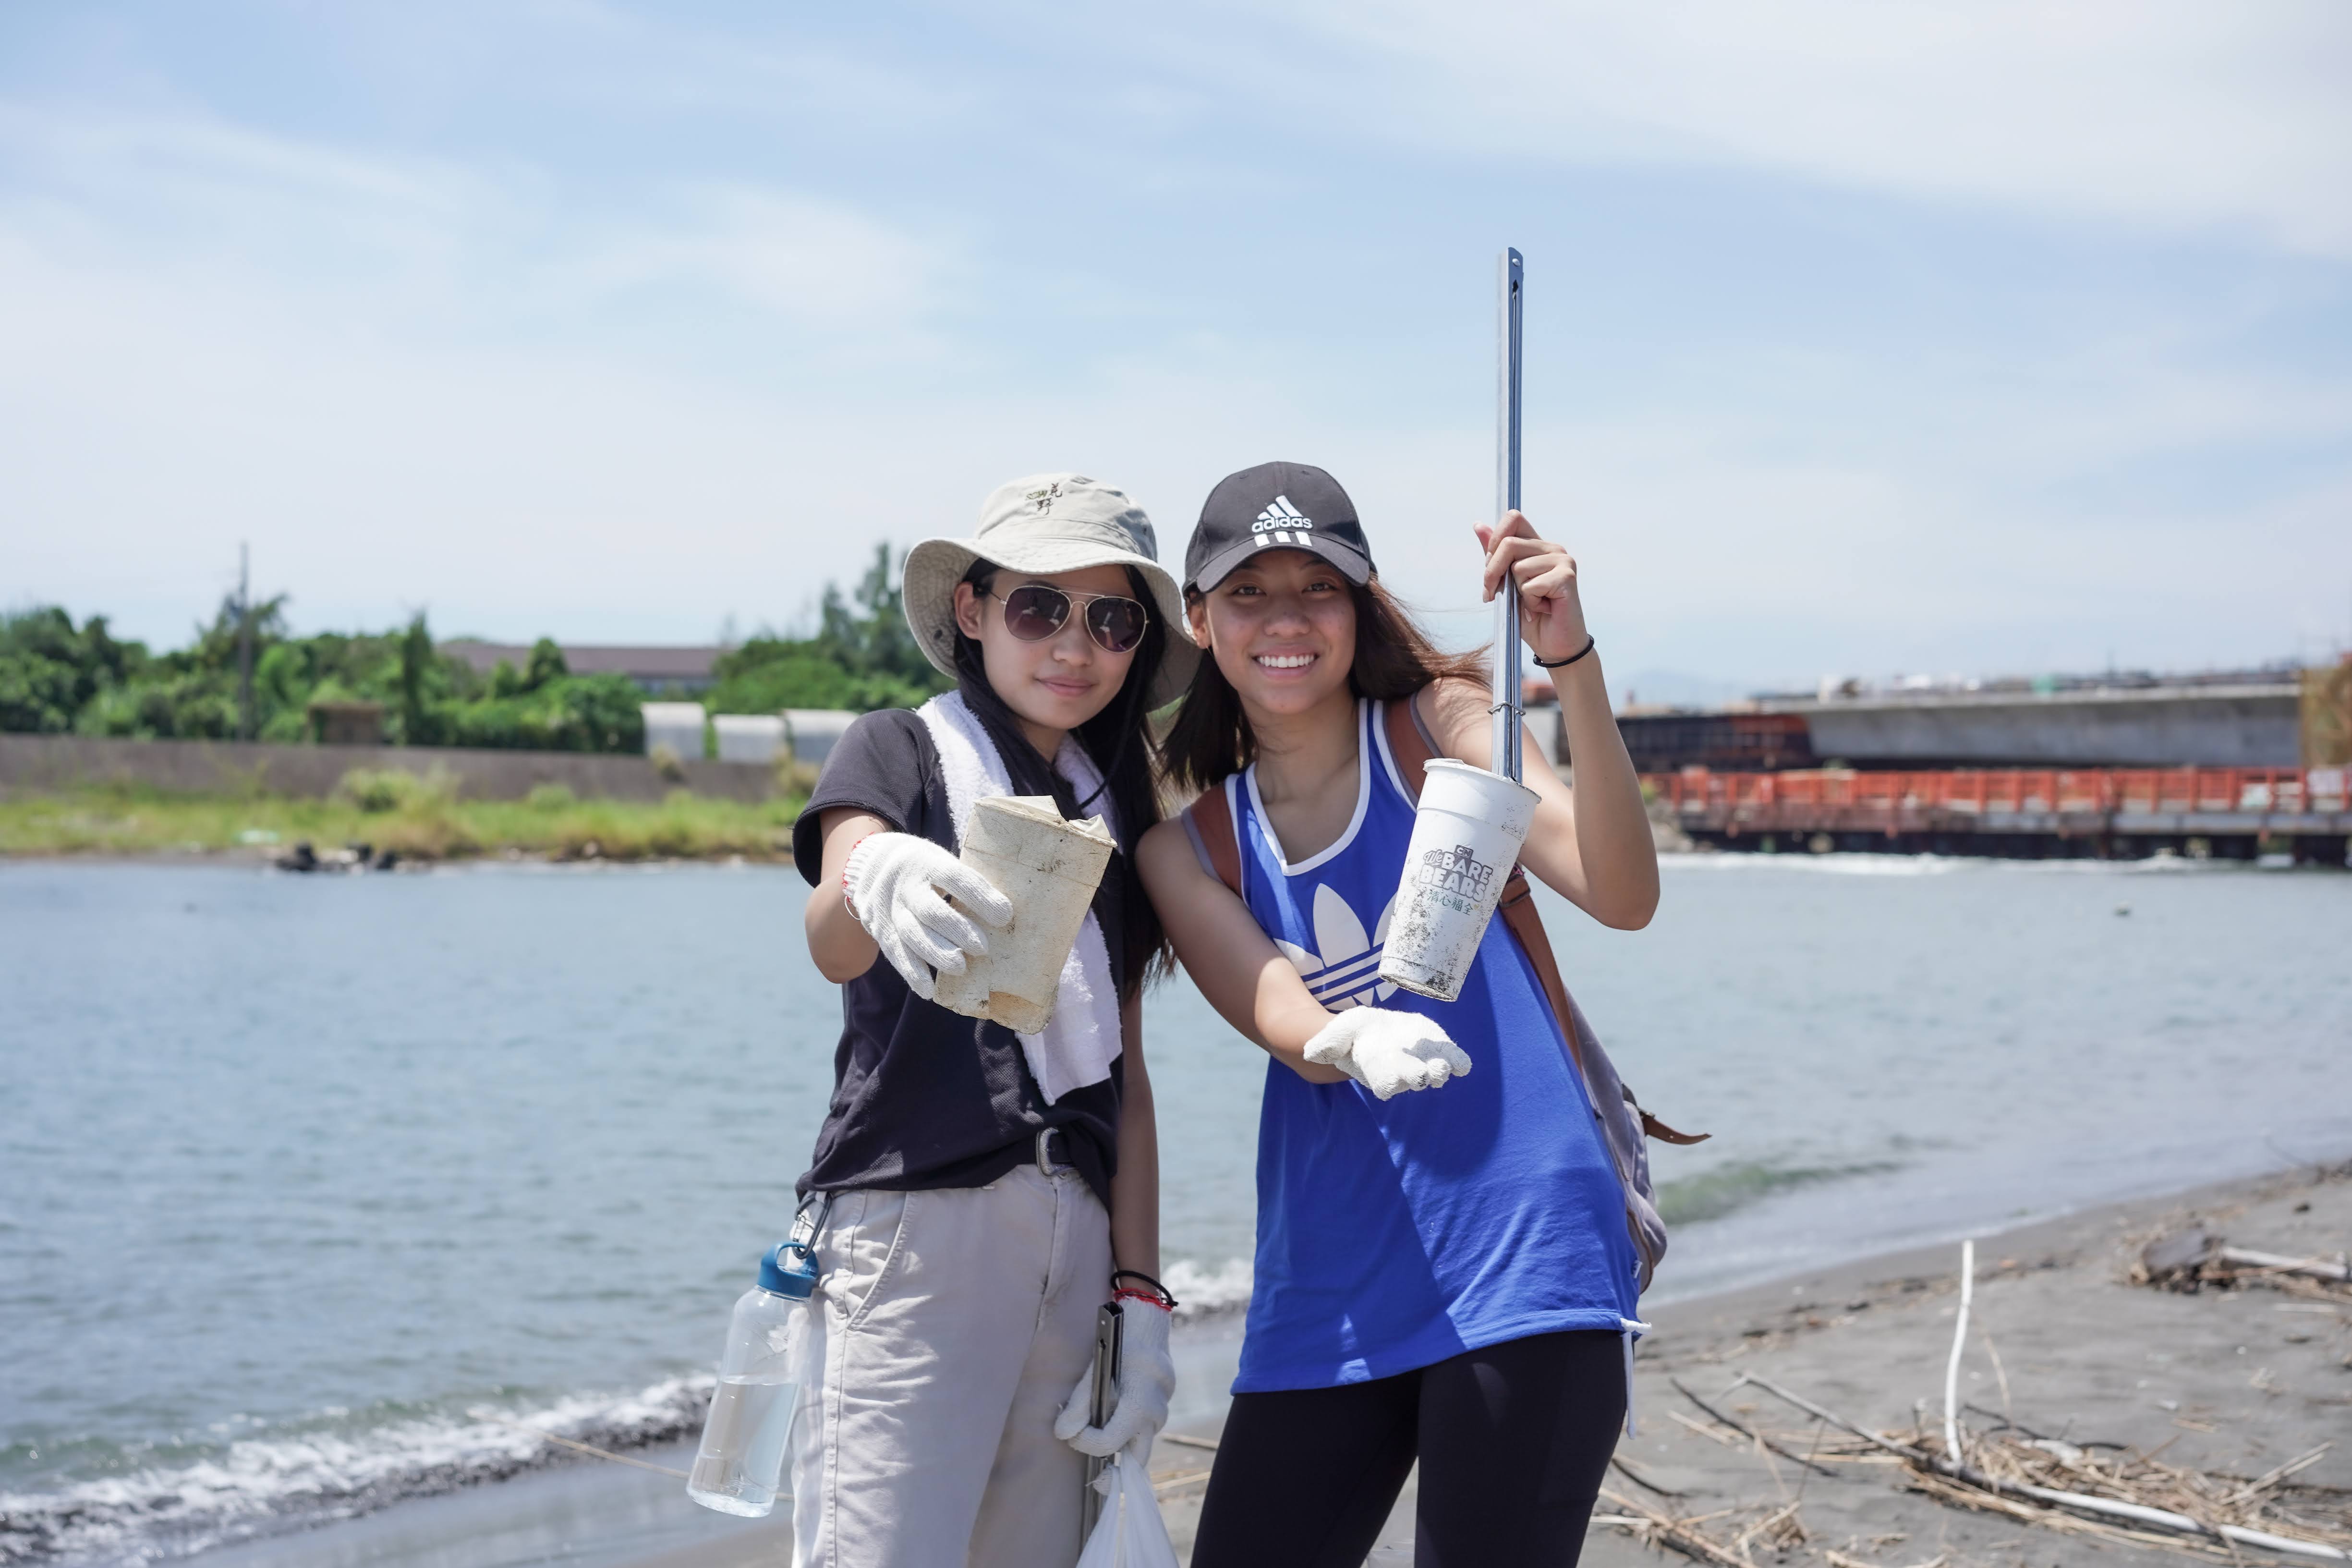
{"x": 1275, "y": 505}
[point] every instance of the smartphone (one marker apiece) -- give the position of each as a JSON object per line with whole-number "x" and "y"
{"x": 1108, "y": 1329}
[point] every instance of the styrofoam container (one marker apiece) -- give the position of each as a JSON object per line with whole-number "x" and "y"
{"x": 1467, "y": 835}
{"x": 748, "y": 737}
{"x": 811, "y": 731}
{"x": 1048, "y": 868}
{"x": 678, "y": 725}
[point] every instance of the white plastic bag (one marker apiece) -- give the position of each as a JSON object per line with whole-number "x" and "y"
{"x": 1130, "y": 1533}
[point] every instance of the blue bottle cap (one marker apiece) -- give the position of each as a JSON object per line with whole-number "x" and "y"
{"x": 788, "y": 1270}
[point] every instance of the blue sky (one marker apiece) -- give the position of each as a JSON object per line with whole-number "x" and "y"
{"x": 1863, "y": 337}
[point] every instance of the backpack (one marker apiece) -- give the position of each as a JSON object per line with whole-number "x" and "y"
{"x": 1209, "y": 821}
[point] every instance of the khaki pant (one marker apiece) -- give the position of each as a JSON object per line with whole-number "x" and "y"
{"x": 954, "y": 1325}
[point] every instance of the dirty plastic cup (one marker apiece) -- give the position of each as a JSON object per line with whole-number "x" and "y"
{"x": 1048, "y": 869}
{"x": 1466, "y": 839}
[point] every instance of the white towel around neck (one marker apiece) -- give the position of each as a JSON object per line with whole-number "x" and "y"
{"x": 1079, "y": 1042}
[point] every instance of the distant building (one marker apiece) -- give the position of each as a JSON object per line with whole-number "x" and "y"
{"x": 1726, "y": 741}
{"x": 347, "y": 723}
{"x": 674, "y": 725}
{"x": 685, "y": 669}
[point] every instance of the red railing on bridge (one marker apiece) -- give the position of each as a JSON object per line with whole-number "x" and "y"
{"x": 1974, "y": 791}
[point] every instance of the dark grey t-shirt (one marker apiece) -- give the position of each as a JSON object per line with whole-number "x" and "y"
{"x": 924, "y": 1097}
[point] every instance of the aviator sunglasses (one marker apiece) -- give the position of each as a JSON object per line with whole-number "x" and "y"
{"x": 1035, "y": 611}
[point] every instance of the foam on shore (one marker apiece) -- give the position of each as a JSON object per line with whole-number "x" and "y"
{"x": 159, "y": 1507}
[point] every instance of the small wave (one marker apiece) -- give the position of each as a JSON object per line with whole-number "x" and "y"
{"x": 1711, "y": 1195}
{"x": 1836, "y": 864}
{"x": 1841, "y": 863}
{"x": 1201, "y": 1291}
{"x": 260, "y": 1486}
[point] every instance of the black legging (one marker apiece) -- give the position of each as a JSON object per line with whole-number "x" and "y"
{"x": 1513, "y": 1442}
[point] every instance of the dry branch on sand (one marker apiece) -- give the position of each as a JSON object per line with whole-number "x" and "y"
{"x": 2099, "y": 1490}
{"x": 2196, "y": 1259}
{"x": 2130, "y": 1496}
{"x": 1778, "y": 1528}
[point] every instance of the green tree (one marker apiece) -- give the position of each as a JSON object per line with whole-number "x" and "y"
{"x": 569, "y": 713}
{"x": 49, "y": 671}
{"x": 416, "y": 661}
{"x": 546, "y": 664}
{"x": 862, "y": 656}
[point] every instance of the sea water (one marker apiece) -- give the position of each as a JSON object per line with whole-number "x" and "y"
{"x": 351, "y": 1128}
{"x": 740, "y": 1467}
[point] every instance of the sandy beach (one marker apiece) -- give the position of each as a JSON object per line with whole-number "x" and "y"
{"x": 2231, "y": 1380}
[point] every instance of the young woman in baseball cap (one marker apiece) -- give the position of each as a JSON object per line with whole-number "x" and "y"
{"x": 976, "y": 1196}
{"x": 1444, "y": 1270}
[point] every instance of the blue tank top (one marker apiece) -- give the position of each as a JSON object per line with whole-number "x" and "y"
{"x": 1392, "y": 1235}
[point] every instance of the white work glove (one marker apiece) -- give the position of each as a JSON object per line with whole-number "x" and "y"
{"x": 1388, "y": 1051}
{"x": 894, "y": 882}
{"x": 1146, "y": 1378}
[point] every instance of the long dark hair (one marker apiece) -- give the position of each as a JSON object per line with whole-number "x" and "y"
{"x": 1114, "y": 741}
{"x": 1211, "y": 736}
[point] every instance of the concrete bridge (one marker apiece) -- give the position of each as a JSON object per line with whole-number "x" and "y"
{"x": 2241, "y": 726}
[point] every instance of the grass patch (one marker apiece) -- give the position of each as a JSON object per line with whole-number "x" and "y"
{"x": 422, "y": 818}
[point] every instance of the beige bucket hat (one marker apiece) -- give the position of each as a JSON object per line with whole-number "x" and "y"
{"x": 1044, "y": 525}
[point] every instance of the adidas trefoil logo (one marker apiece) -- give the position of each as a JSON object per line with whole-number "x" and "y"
{"x": 1281, "y": 519}
{"x": 1348, "y": 972}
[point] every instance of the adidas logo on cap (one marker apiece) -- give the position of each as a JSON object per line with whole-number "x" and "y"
{"x": 1280, "y": 520}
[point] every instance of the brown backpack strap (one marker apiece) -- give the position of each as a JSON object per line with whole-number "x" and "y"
{"x": 1209, "y": 821}
{"x": 1520, "y": 918}
{"x": 1665, "y": 1134}
{"x": 1519, "y": 911}
{"x": 1409, "y": 744}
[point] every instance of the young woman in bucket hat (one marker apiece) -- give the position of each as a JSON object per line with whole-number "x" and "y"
{"x": 1444, "y": 1268}
{"x": 976, "y": 1196}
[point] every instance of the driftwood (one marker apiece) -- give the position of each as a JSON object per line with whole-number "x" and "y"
{"x": 1752, "y": 1437}
{"x": 1959, "y": 1343}
{"x": 2336, "y": 1269}
{"x": 2189, "y": 1258}
{"x": 1619, "y": 1463}
{"x": 1780, "y": 1527}
{"x": 1163, "y": 1485}
{"x": 1951, "y": 1468}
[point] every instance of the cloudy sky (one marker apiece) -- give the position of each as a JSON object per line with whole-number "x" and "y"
{"x": 1862, "y": 337}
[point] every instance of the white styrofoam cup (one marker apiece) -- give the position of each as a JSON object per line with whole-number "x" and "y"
{"x": 1466, "y": 839}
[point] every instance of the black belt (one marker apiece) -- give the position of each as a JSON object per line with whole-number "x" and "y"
{"x": 1047, "y": 1139}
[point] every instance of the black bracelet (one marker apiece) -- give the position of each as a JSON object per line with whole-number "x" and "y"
{"x": 1571, "y": 658}
{"x": 1119, "y": 1274}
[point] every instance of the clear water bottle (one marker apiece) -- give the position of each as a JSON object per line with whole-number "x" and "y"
{"x": 740, "y": 1469}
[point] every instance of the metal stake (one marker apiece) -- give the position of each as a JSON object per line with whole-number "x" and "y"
{"x": 1506, "y": 709}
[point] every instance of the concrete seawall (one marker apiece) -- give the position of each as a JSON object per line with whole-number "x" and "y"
{"x": 2215, "y": 727}
{"x": 31, "y": 764}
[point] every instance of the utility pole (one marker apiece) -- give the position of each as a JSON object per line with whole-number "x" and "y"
{"x": 244, "y": 643}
